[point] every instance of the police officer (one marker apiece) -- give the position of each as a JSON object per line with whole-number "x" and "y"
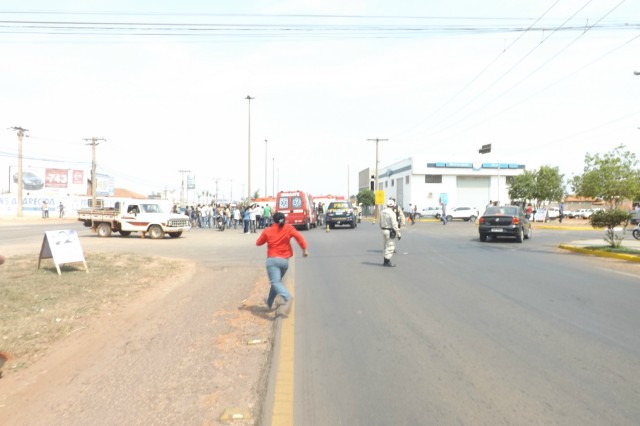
{"x": 390, "y": 229}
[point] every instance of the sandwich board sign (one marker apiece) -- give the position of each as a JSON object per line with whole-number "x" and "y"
{"x": 63, "y": 247}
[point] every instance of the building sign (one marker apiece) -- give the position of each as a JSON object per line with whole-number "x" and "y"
{"x": 78, "y": 177}
{"x": 56, "y": 178}
{"x": 191, "y": 182}
{"x": 63, "y": 247}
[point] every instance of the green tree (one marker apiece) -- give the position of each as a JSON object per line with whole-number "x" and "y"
{"x": 610, "y": 219}
{"x": 612, "y": 177}
{"x": 548, "y": 184}
{"x": 523, "y": 187}
{"x": 544, "y": 184}
{"x": 366, "y": 197}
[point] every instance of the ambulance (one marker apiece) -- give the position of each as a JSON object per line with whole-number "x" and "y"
{"x": 298, "y": 207}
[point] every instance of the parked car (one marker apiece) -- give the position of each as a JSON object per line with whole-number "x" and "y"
{"x": 463, "y": 213}
{"x": 504, "y": 221}
{"x": 553, "y": 213}
{"x": 340, "y": 213}
{"x": 430, "y": 212}
{"x": 584, "y": 213}
{"x": 30, "y": 181}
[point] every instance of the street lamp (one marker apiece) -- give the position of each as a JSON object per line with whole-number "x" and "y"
{"x": 248, "y": 98}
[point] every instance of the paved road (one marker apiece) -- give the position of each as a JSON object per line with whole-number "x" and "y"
{"x": 463, "y": 332}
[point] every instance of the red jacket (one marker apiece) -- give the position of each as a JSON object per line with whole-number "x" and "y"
{"x": 278, "y": 240}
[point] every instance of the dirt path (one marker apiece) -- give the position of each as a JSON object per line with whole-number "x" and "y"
{"x": 184, "y": 352}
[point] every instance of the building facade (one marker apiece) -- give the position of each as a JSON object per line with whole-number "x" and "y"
{"x": 423, "y": 183}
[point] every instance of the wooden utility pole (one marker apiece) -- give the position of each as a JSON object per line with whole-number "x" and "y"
{"x": 93, "y": 142}
{"x": 21, "y": 133}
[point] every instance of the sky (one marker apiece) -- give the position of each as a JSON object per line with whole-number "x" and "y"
{"x": 165, "y": 84}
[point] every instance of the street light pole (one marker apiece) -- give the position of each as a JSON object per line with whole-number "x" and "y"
{"x": 273, "y": 176}
{"x": 265, "y": 167}
{"x": 248, "y": 98}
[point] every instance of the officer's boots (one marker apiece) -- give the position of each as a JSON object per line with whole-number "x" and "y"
{"x": 387, "y": 262}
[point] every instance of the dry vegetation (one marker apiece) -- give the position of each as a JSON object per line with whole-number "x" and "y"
{"x": 39, "y": 307}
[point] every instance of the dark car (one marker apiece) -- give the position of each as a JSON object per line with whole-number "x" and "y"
{"x": 29, "y": 181}
{"x": 340, "y": 213}
{"x": 504, "y": 221}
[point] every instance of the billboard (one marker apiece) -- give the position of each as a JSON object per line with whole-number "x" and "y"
{"x": 50, "y": 180}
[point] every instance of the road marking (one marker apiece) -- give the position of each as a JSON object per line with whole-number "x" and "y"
{"x": 283, "y": 399}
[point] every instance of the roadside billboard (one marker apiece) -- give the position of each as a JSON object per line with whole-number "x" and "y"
{"x": 55, "y": 180}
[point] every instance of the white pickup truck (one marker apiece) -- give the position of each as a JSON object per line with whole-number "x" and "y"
{"x": 146, "y": 216}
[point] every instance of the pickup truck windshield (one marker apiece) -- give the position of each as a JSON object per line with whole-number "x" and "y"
{"x": 151, "y": 208}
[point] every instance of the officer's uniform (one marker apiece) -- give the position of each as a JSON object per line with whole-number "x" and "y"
{"x": 388, "y": 222}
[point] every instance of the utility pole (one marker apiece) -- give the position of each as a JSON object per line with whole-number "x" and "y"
{"x": 248, "y": 98}
{"x": 21, "y": 133}
{"x": 273, "y": 176}
{"x": 182, "y": 172}
{"x": 93, "y": 142}
{"x": 265, "y": 168}
{"x": 377, "y": 162}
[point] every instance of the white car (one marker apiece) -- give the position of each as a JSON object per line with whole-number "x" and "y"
{"x": 431, "y": 212}
{"x": 584, "y": 213}
{"x": 553, "y": 213}
{"x": 463, "y": 213}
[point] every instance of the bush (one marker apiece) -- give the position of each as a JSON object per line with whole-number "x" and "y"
{"x": 610, "y": 219}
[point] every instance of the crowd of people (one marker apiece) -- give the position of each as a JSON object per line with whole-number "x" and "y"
{"x": 249, "y": 218}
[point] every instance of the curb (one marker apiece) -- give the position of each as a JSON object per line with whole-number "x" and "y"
{"x": 601, "y": 253}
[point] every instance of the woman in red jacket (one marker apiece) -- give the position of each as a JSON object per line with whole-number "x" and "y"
{"x": 278, "y": 238}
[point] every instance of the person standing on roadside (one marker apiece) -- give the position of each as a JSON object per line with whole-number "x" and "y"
{"x": 278, "y": 239}
{"x": 390, "y": 229}
{"x": 443, "y": 217}
{"x": 246, "y": 219}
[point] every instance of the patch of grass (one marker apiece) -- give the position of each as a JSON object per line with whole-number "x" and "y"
{"x": 39, "y": 307}
{"x": 621, "y": 250}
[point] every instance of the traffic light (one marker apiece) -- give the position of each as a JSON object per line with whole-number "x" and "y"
{"x": 485, "y": 149}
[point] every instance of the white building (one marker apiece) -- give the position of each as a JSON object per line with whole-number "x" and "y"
{"x": 423, "y": 183}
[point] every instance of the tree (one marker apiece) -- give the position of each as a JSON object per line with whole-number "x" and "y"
{"x": 366, "y": 197}
{"x": 523, "y": 186}
{"x": 610, "y": 219}
{"x": 548, "y": 184}
{"x": 540, "y": 185}
{"x": 612, "y": 177}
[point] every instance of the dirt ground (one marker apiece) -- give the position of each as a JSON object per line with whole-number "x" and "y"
{"x": 177, "y": 354}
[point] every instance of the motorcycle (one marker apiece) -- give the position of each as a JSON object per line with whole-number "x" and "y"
{"x": 636, "y": 232}
{"x": 220, "y": 224}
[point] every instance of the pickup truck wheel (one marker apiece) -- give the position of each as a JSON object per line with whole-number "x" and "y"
{"x": 175, "y": 234}
{"x": 125, "y": 233}
{"x": 156, "y": 232}
{"x": 104, "y": 230}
